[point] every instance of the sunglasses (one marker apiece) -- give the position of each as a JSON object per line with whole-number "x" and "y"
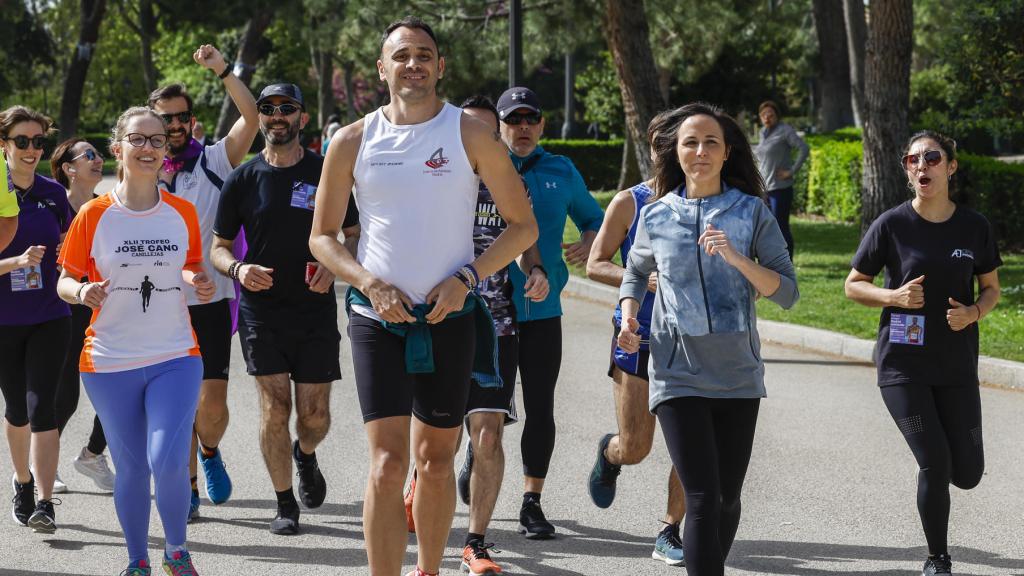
{"x": 931, "y": 157}
{"x": 89, "y": 155}
{"x": 22, "y": 142}
{"x": 139, "y": 140}
{"x": 517, "y": 119}
{"x": 182, "y": 117}
{"x": 284, "y": 109}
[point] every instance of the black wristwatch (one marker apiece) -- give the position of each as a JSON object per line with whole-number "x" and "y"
{"x": 535, "y": 266}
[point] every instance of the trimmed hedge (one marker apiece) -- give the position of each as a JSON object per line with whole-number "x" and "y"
{"x": 598, "y": 161}
{"x": 996, "y": 189}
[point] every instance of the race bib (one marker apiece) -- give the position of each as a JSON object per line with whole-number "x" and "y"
{"x": 906, "y": 329}
{"x": 28, "y": 278}
{"x": 303, "y": 195}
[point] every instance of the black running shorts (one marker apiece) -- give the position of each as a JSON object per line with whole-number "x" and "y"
{"x": 386, "y": 389}
{"x": 212, "y": 325}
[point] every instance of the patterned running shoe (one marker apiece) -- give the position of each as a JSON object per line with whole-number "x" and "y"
{"x": 24, "y": 500}
{"x": 140, "y": 568}
{"x": 179, "y": 564}
{"x": 43, "y": 520}
{"x": 940, "y": 565}
{"x": 668, "y": 547}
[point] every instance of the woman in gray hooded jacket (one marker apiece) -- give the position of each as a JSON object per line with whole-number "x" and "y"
{"x": 715, "y": 246}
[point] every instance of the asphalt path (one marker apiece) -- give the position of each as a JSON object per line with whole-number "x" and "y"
{"x": 830, "y": 489}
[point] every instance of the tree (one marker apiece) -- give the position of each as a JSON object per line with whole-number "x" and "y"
{"x": 833, "y": 67}
{"x": 856, "y": 36}
{"x": 92, "y": 12}
{"x": 250, "y": 52}
{"x": 628, "y": 35}
{"x": 887, "y": 98}
{"x": 142, "y": 19}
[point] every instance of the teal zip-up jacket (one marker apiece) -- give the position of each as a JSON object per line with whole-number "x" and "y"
{"x": 557, "y": 190}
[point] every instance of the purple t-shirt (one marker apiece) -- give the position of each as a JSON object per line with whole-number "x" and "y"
{"x": 29, "y": 295}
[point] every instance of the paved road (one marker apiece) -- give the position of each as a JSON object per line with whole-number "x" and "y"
{"x": 830, "y": 489}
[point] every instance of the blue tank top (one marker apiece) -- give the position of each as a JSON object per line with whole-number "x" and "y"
{"x": 641, "y": 194}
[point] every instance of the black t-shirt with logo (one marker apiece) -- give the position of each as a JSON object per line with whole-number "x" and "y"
{"x": 275, "y": 206}
{"x": 917, "y": 345}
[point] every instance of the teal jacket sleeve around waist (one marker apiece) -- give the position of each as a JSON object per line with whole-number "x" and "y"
{"x": 419, "y": 349}
{"x": 557, "y": 192}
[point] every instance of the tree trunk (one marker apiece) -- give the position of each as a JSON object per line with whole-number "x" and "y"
{"x": 250, "y": 51}
{"x": 629, "y": 170}
{"x": 147, "y": 26}
{"x": 625, "y": 27}
{"x": 350, "y": 97}
{"x": 887, "y": 98}
{"x": 323, "y": 65}
{"x": 856, "y": 36}
{"x": 91, "y": 15}
{"x": 833, "y": 66}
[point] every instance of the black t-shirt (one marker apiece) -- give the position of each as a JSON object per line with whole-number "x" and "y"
{"x": 275, "y": 206}
{"x": 918, "y": 345}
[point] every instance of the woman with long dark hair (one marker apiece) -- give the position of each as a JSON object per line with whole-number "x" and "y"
{"x": 931, "y": 250}
{"x": 715, "y": 246}
{"x": 78, "y": 167}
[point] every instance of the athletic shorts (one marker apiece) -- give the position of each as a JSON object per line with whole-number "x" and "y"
{"x": 385, "y": 388}
{"x": 499, "y": 399}
{"x": 307, "y": 350}
{"x": 212, "y": 325}
{"x": 634, "y": 364}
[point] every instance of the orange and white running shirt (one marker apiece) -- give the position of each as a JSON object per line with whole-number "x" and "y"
{"x": 144, "y": 320}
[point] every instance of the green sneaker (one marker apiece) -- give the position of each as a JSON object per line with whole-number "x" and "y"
{"x": 179, "y": 564}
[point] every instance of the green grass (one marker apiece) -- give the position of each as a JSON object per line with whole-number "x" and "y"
{"x": 822, "y": 262}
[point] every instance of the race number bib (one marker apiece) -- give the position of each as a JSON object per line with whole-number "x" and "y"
{"x": 28, "y": 278}
{"x": 906, "y": 329}
{"x": 303, "y": 195}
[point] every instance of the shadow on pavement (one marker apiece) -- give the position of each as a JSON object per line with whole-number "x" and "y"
{"x": 819, "y": 362}
{"x": 790, "y": 558}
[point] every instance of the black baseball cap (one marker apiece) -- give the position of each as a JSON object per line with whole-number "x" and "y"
{"x": 516, "y": 98}
{"x": 290, "y": 91}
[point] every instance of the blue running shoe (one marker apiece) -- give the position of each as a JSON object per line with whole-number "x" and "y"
{"x": 668, "y": 548}
{"x": 218, "y": 483}
{"x": 193, "y": 508}
{"x": 603, "y": 476}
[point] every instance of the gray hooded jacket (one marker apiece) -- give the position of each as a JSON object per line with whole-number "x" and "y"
{"x": 704, "y": 339}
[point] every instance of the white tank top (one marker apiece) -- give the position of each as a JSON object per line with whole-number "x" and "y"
{"x": 416, "y": 192}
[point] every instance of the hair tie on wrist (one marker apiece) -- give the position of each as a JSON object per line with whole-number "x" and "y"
{"x": 224, "y": 74}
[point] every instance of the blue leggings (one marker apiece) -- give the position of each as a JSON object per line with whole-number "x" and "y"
{"x": 147, "y": 414}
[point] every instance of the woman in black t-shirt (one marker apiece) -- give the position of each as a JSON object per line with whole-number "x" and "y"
{"x": 931, "y": 250}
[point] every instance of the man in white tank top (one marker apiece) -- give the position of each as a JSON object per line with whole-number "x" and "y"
{"x": 414, "y": 166}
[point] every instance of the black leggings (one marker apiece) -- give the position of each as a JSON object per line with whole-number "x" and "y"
{"x": 540, "y": 358}
{"x": 709, "y": 440}
{"x": 31, "y": 358}
{"x": 942, "y": 426}
{"x": 69, "y": 389}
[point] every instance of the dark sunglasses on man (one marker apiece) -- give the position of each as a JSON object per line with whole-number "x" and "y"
{"x": 22, "y": 142}
{"x": 182, "y": 117}
{"x": 930, "y": 157}
{"x": 517, "y": 119}
{"x": 89, "y": 155}
{"x": 285, "y": 109}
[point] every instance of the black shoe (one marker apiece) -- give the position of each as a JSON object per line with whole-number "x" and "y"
{"x": 603, "y": 476}
{"x": 532, "y": 522}
{"x": 465, "y": 473}
{"x": 24, "y": 500}
{"x": 312, "y": 486}
{"x": 286, "y": 523}
{"x": 42, "y": 519}
{"x": 938, "y": 566}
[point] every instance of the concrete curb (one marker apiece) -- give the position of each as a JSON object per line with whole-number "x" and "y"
{"x": 993, "y": 372}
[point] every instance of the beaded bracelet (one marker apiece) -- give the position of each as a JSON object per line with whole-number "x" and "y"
{"x": 476, "y": 275}
{"x": 461, "y": 277}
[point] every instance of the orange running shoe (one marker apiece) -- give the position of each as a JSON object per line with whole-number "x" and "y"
{"x": 408, "y": 504}
{"x": 477, "y": 561}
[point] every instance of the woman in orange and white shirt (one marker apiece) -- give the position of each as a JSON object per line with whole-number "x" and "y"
{"x": 141, "y": 251}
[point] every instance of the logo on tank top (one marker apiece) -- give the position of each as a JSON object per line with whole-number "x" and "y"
{"x": 437, "y": 159}
{"x": 962, "y": 253}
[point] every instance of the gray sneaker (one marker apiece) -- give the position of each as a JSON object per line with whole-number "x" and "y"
{"x": 95, "y": 468}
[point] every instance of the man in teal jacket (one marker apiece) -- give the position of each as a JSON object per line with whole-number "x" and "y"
{"x": 557, "y": 190}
